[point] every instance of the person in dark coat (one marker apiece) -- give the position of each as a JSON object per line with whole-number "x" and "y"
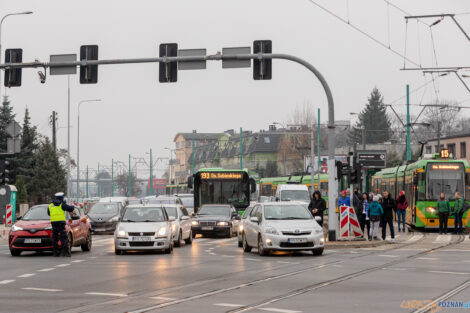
{"x": 317, "y": 206}
{"x": 389, "y": 206}
{"x": 363, "y": 215}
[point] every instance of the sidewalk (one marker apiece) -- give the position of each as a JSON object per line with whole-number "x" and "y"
{"x": 362, "y": 243}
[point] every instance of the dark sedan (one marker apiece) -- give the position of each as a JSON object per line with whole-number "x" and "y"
{"x": 216, "y": 219}
{"x": 104, "y": 217}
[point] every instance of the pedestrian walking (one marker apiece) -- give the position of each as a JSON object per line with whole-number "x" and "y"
{"x": 458, "y": 214}
{"x": 375, "y": 210}
{"x": 402, "y": 205}
{"x": 56, "y": 211}
{"x": 317, "y": 206}
{"x": 364, "y": 215}
{"x": 389, "y": 206}
{"x": 443, "y": 207}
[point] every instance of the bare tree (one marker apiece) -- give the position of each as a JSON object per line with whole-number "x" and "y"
{"x": 303, "y": 115}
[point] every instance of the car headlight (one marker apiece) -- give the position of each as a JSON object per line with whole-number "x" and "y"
{"x": 271, "y": 230}
{"x": 318, "y": 231}
{"x": 195, "y": 223}
{"x": 173, "y": 228}
{"x": 48, "y": 228}
{"x": 322, "y": 240}
{"x": 430, "y": 209}
{"x": 240, "y": 228}
{"x": 114, "y": 219}
{"x": 16, "y": 228}
{"x": 162, "y": 232}
{"x": 222, "y": 223}
{"x": 121, "y": 233}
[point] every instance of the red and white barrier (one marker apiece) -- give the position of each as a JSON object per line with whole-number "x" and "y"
{"x": 9, "y": 213}
{"x": 349, "y": 224}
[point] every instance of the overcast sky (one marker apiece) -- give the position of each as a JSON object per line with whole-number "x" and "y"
{"x": 138, "y": 113}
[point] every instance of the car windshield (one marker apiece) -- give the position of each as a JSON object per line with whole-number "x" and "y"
{"x": 134, "y": 201}
{"x": 188, "y": 202}
{"x": 214, "y": 210}
{"x": 144, "y": 214}
{"x": 171, "y": 211}
{"x": 295, "y": 195}
{"x": 38, "y": 212}
{"x": 286, "y": 212}
{"x": 104, "y": 208}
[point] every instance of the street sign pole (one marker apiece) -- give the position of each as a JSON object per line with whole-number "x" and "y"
{"x": 112, "y": 177}
{"x": 151, "y": 175}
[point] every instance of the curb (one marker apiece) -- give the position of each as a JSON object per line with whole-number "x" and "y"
{"x": 362, "y": 243}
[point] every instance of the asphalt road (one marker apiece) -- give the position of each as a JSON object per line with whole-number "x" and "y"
{"x": 214, "y": 275}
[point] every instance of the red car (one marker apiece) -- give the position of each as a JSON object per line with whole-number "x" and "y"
{"x": 33, "y": 231}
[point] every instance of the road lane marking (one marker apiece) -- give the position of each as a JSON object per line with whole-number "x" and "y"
{"x": 443, "y": 238}
{"x": 389, "y": 255}
{"x": 249, "y": 259}
{"x": 337, "y": 265}
{"x": 106, "y": 294}
{"x": 63, "y": 265}
{"x": 466, "y": 261}
{"x": 162, "y": 298}
{"x": 78, "y": 261}
{"x": 456, "y": 273}
{"x": 90, "y": 257}
{"x": 279, "y": 310}
{"x": 287, "y": 262}
{"x": 227, "y": 256}
{"x": 229, "y": 305}
{"x": 25, "y": 275}
{"x": 398, "y": 268}
{"x": 211, "y": 253}
{"x": 47, "y": 269}
{"x": 415, "y": 237}
{"x": 4, "y": 282}
{"x": 42, "y": 289}
{"x": 425, "y": 258}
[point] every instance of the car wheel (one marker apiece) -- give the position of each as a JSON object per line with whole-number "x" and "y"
{"x": 69, "y": 243}
{"x": 169, "y": 250}
{"x": 246, "y": 247}
{"x": 193, "y": 234}
{"x": 117, "y": 252}
{"x": 261, "y": 250}
{"x": 190, "y": 238}
{"x": 87, "y": 245}
{"x": 15, "y": 252}
{"x": 177, "y": 242}
{"x": 240, "y": 243}
{"x": 317, "y": 251}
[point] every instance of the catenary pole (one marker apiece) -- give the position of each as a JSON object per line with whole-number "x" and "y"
{"x": 408, "y": 124}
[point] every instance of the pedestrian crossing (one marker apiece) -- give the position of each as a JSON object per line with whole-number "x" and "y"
{"x": 443, "y": 239}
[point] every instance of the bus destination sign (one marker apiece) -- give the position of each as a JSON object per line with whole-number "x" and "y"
{"x": 221, "y": 175}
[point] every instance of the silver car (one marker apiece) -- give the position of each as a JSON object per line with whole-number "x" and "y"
{"x": 181, "y": 226}
{"x": 144, "y": 227}
{"x": 281, "y": 226}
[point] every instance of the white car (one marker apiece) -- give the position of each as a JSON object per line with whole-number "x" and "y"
{"x": 144, "y": 227}
{"x": 282, "y": 226}
{"x": 181, "y": 226}
{"x": 244, "y": 217}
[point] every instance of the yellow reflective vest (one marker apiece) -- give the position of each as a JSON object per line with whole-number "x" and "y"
{"x": 56, "y": 213}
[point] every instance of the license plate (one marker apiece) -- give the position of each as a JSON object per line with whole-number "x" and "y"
{"x": 100, "y": 229}
{"x": 297, "y": 240}
{"x": 142, "y": 238}
{"x": 207, "y": 228}
{"x": 31, "y": 240}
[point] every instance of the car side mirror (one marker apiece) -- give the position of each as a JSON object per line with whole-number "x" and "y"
{"x": 171, "y": 218}
{"x": 318, "y": 218}
{"x": 254, "y": 219}
{"x": 184, "y": 218}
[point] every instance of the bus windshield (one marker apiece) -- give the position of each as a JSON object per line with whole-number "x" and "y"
{"x": 445, "y": 177}
{"x": 223, "y": 192}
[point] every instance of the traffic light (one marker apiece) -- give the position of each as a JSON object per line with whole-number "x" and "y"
{"x": 168, "y": 72}
{"x": 339, "y": 169}
{"x": 354, "y": 176}
{"x": 4, "y": 179}
{"x": 89, "y": 73}
{"x": 13, "y": 75}
{"x": 262, "y": 69}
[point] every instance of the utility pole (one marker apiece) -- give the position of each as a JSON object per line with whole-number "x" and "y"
{"x": 241, "y": 148}
{"x": 54, "y": 130}
{"x": 68, "y": 135}
{"x": 129, "y": 190}
{"x": 312, "y": 159}
{"x": 112, "y": 177}
{"x": 438, "y": 137}
{"x": 87, "y": 181}
{"x": 408, "y": 124}
{"x": 98, "y": 180}
{"x": 192, "y": 156}
{"x": 318, "y": 149}
{"x": 151, "y": 175}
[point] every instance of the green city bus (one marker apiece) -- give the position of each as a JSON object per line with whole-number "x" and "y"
{"x": 423, "y": 181}
{"x": 222, "y": 186}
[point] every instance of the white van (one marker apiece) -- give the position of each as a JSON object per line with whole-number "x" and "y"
{"x": 293, "y": 192}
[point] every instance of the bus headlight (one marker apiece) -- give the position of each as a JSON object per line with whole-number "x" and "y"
{"x": 430, "y": 210}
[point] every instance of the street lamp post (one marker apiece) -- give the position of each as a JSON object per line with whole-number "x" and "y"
{"x": 1, "y": 22}
{"x": 170, "y": 166}
{"x": 78, "y": 142}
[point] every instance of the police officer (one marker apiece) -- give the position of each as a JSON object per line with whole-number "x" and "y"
{"x": 57, "y": 213}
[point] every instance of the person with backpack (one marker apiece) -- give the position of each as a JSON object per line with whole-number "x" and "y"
{"x": 443, "y": 207}
{"x": 458, "y": 214}
{"x": 402, "y": 205}
{"x": 374, "y": 210}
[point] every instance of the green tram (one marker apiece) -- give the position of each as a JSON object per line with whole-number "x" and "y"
{"x": 222, "y": 186}
{"x": 423, "y": 181}
{"x": 176, "y": 189}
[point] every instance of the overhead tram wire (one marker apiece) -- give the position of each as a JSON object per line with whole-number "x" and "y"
{"x": 363, "y": 32}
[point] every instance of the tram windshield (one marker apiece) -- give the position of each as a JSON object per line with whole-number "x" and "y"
{"x": 445, "y": 177}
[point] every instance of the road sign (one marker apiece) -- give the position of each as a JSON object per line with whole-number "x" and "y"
{"x": 236, "y": 63}
{"x": 372, "y": 158}
{"x": 63, "y": 70}
{"x": 13, "y": 145}
{"x": 13, "y": 129}
{"x": 191, "y": 65}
